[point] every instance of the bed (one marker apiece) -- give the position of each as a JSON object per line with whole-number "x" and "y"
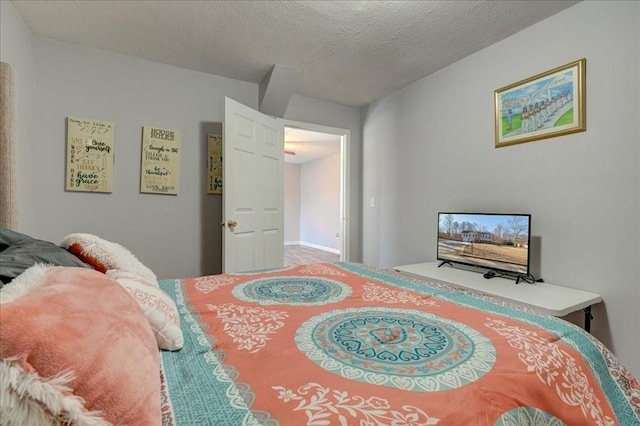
{"x": 349, "y": 344}
{"x": 318, "y": 344}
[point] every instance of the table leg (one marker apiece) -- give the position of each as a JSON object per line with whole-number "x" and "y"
{"x": 587, "y": 319}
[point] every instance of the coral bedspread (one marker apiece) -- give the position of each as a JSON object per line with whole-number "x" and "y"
{"x": 347, "y": 344}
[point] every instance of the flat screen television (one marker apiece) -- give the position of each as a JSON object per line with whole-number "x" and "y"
{"x": 495, "y": 241}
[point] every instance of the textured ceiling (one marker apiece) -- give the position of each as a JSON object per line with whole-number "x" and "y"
{"x": 349, "y": 52}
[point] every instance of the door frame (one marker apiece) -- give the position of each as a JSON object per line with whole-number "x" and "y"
{"x": 345, "y": 138}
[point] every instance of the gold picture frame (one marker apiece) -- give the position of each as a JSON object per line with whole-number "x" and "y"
{"x": 549, "y": 104}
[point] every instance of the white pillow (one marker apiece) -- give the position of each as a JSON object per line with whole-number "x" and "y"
{"x": 104, "y": 255}
{"x": 158, "y": 307}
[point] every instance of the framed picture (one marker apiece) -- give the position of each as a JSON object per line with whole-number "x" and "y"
{"x": 546, "y": 105}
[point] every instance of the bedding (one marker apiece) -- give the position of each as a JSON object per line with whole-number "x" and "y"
{"x": 158, "y": 307}
{"x": 18, "y": 252}
{"x": 76, "y": 349}
{"x": 347, "y": 344}
{"x": 104, "y": 255}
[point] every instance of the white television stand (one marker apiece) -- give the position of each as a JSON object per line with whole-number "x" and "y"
{"x": 547, "y": 298}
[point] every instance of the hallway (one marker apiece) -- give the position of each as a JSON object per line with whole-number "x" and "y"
{"x": 300, "y": 255}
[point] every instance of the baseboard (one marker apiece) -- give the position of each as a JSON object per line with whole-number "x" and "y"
{"x": 316, "y": 246}
{"x": 292, "y": 243}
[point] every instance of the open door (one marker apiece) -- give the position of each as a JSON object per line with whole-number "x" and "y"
{"x": 253, "y": 195}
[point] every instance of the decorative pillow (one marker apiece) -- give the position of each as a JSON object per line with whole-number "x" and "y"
{"x": 104, "y": 255}
{"x": 22, "y": 252}
{"x": 158, "y": 307}
{"x": 75, "y": 348}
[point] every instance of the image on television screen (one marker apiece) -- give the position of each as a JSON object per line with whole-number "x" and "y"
{"x": 494, "y": 241}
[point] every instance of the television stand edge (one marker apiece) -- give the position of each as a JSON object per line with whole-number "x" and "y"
{"x": 547, "y": 298}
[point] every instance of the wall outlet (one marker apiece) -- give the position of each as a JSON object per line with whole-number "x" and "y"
{"x": 372, "y": 202}
{"x": 337, "y": 235}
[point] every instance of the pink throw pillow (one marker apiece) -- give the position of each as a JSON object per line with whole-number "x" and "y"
{"x": 77, "y": 348}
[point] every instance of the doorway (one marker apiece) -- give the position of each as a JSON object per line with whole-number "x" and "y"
{"x": 316, "y": 219}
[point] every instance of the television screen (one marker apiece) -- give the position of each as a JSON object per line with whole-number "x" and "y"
{"x": 489, "y": 240}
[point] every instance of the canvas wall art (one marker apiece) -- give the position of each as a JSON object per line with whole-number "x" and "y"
{"x": 90, "y": 151}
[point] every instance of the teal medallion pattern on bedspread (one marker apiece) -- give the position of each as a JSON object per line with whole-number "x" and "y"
{"x": 528, "y": 416}
{"x": 591, "y": 349}
{"x": 399, "y": 348}
{"x": 346, "y": 343}
{"x": 292, "y": 290}
{"x": 202, "y": 390}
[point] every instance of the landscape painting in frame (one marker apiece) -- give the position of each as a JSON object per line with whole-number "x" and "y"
{"x": 546, "y": 105}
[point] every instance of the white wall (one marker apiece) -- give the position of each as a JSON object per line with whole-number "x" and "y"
{"x": 173, "y": 235}
{"x": 17, "y": 48}
{"x": 291, "y": 203}
{"x": 320, "y": 202}
{"x": 422, "y": 147}
{"x": 176, "y": 236}
{"x": 317, "y": 111}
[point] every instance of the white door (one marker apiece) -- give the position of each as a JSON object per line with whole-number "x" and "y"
{"x": 253, "y": 195}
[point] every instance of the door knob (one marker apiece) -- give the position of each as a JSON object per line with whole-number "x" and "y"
{"x": 232, "y": 224}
